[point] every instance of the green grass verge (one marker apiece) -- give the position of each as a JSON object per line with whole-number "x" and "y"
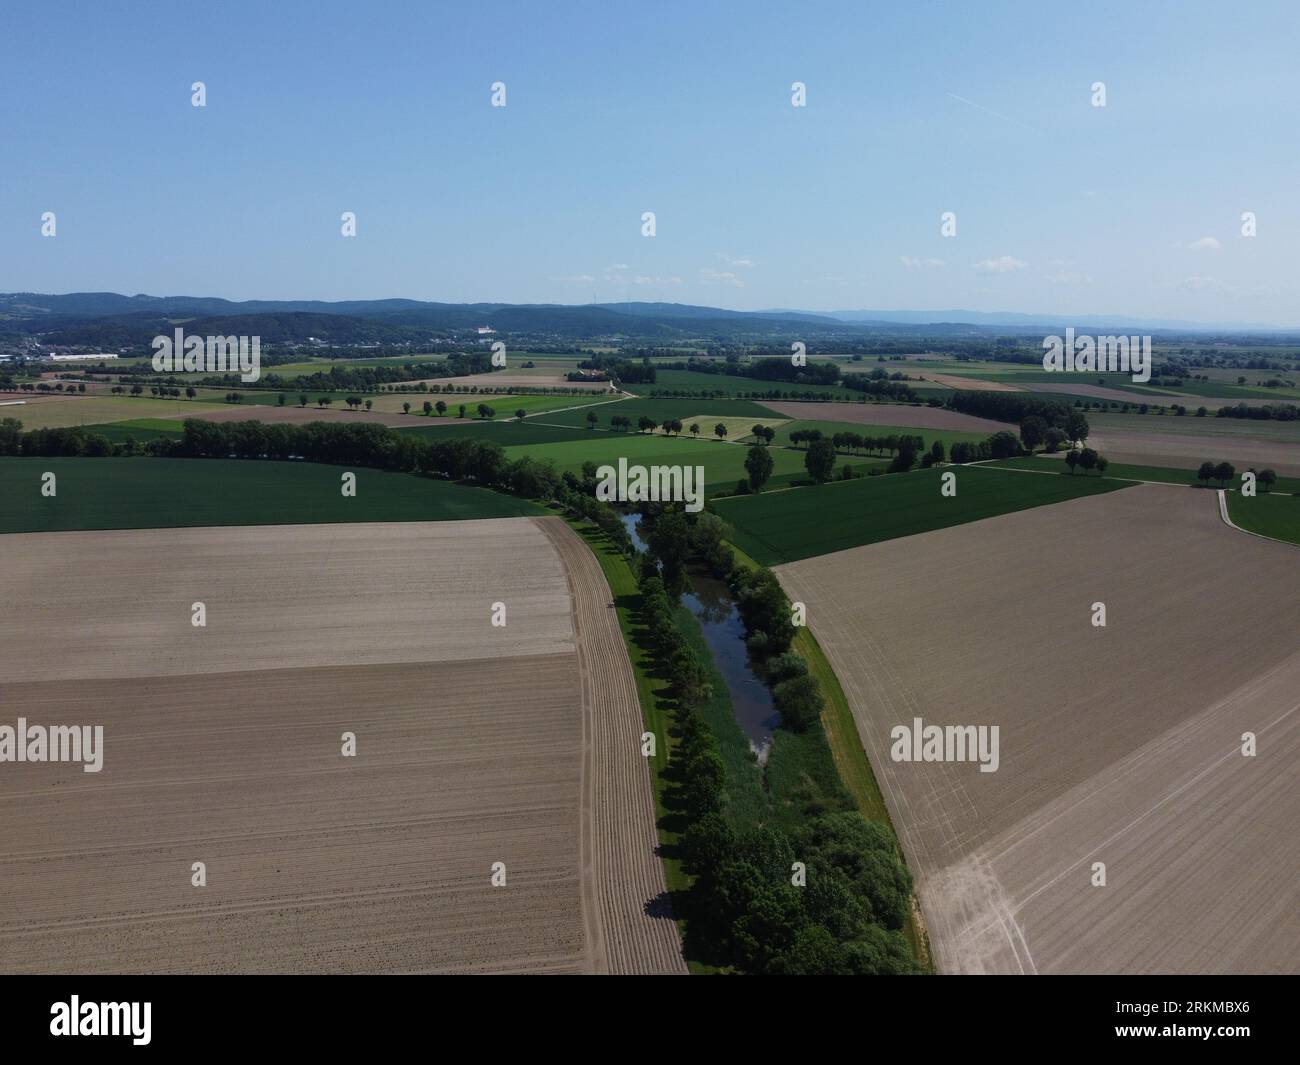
{"x": 1268, "y": 515}
{"x": 779, "y": 527}
{"x": 154, "y": 493}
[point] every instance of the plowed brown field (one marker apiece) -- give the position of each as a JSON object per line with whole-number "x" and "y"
{"x": 474, "y": 745}
{"x": 1119, "y": 745}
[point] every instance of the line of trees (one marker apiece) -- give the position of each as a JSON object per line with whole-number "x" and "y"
{"x": 1281, "y": 412}
{"x": 1223, "y": 472}
{"x": 1087, "y": 459}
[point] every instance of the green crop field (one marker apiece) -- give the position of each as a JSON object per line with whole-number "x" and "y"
{"x": 778, "y": 527}
{"x": 147, "y": 493}
{"x": 507, "y": 432}
{"x": 726, "y": 384}
{"x": 1190, "y": 425}
{"x": 1269, "y": 515}
{"x": 139, "y": 429}
{"x": 661, "y": 409}
{"x": 724, "y": 464}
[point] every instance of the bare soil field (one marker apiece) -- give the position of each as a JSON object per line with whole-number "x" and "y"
{"x": 969, "y": 384}
{"x": 1172, "y": 449}
{"x": 1118, "y": 745}
{"x": 639, "y": 933}
{"x": 901, "y": 414}
{"x": 474, "y": 744}
{"x": 509, "y": 380}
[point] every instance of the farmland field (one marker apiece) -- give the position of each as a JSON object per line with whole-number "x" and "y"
{"x": 784, "y": 526}
{"x": 1119, "y": 745}
{"x": 1128, "y": 472}
{"x": 1269, "y": 515}
{"x": 55, "y": 412}
{"x": 1174, "y": 449}
{"x": 224, "y": 745}
{"x": 890, "y": 414}
{"x": 661, "y": 409}
{"x": 1190, "y": 425}
{"x": 131, "y": 493}
{"x": 729, "y": 385}
{"x": 724, "y": 464}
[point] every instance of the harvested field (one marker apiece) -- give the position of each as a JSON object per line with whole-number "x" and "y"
{"x": 1172, "y": 449}
{"x": 1118, "y": 745}
{"x": 64, "y": 411}
{"x": 1072, "y": 387}
{"x": 901, "y": 414}
{"x": 222, "y": 745}
{"x": 521, "y": 380}
{"x": 969, "y": 384}
{"x": 639, "y": 935}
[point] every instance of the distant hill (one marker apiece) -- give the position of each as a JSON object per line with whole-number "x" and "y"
{"x": 113, "y": 322}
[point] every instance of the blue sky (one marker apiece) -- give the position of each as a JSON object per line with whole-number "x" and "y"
{"x": 682, "y": 109}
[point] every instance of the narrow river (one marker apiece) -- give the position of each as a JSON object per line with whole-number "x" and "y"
{"x": 724, "y": 633}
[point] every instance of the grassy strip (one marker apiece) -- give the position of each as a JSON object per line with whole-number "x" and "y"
{"x": 1268, "y": 515}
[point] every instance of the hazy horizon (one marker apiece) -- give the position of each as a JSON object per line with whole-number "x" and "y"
{"x": 1131, "y": 210}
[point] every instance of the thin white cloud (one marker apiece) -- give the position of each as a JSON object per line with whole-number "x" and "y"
{"x": 577, "y": 279}
{"x": 913, "y": 263}
{"x": 737, "y": 263}
{"x": 1003, "y": 264}
{"x": 989, "y": 110}
{"x": 1197, "y": 284}
{"x": 1205, "y": 244}
{"x": 709, "y": 276}
{"x": 643, "y": 280}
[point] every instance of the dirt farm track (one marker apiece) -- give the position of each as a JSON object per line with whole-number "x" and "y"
{"x": 475, "y": 745}
{"x": 1120, "y": 745}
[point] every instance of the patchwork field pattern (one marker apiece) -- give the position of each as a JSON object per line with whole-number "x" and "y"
{"x": 1119, "y": 745}
{"x": 223, "y": 745}
{"x": 901, "y": 414}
